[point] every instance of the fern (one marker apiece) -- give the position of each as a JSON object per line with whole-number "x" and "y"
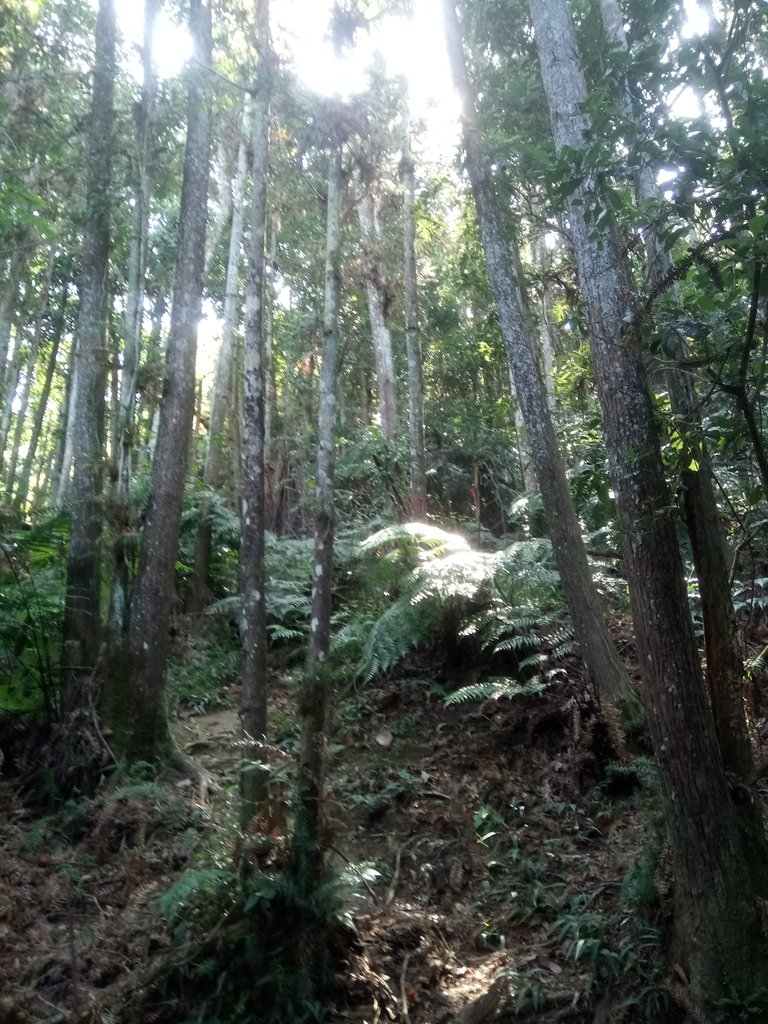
{"x": 517, "y": 589}
{"x": 401, "y": 629}
{"x": 494, "y": 689}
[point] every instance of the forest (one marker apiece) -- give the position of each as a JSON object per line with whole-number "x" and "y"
{"x": 383, "y": 507}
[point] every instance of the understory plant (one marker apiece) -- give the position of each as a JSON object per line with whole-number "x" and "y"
{"x": 507, "y": 603}
{"x": 31, "y": 613}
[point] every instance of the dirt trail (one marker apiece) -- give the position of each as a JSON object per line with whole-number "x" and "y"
{"x": 478, "y": 850}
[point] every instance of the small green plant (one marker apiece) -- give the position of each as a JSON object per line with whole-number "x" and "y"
{"x": 242, "y": 948}
{"x": 31, "y": 613}
{"x": 197, "y": 898}
{"x": 198, "y": 674}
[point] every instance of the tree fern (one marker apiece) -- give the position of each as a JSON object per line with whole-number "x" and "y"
{"x": 521, "y": 606}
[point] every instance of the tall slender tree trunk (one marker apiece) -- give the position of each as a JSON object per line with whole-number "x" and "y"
{"x": 719, "y": 930}
{"x": 125, "y": 439}
{"x": 82, "y": 615}
{"x": 221, "y": 401}
{"x": 12, "y": 381}
{"x": 506, "y": 278}
{"x": 21, "y": 402}
{"x": 22, "y": 490}
{"x": 375, "y": 289}
{"x": 724, "y": 663}
{"x": 8, "y": 302}
{"x": 412, "y": 337}
{"x": 253, "y": 708}
{"x": 135, "y": 697}
{"x": 134, "y": 303}
{"x": 313, "y": 706}
{"x": 269, "y": 369}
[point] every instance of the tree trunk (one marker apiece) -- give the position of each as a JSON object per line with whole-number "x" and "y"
{"x": 375, "y": 289}
{"x": 719, "y": 930}
{"x": 221, "y": 401}
{"x": 412, "y": 339}
{"x": 135, "y": 699}
{"x": 82, "y": 615}
{"x": 134, "y": 302}
{"x": 725, "y": 667}
{"x": 8, "y": 303}
{"x": 12, "y": 381}
{"x": 253, "y": 708}
{"x": 313, "y": 706}
{"x": 505, "y": 273}
{"x": 269, "y": 368}
{"x": 125, "y": 436}
{"x": 22, "y": 491}
{"x": 21, "y": 401}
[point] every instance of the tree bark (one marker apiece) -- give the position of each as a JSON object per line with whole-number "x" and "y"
{"x": 134, "y": 302}
{"x": 22, "y": 491}
{"x": 82, "y": 615}
{"x": 22, "y": 400}
{"x": 253, "y": 707}
{"x": 135, "y": 698}
{"x": 221, "y": 401}
{"x": 724, "y": 663}
{"x": 313, "y": 706}
{"x": 375, "y": 289}
{"x": 719, "y": 932}
{"x": 8, "y": 305}
{"x": 412, "y": 338}
{"x": 506, "y": 278}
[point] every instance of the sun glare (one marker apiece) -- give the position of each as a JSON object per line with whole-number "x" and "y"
{"x": 408, "y": 46}
{"x": 172, "y": 42}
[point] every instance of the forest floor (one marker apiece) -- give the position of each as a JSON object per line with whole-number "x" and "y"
{"x": 497, "y": 868}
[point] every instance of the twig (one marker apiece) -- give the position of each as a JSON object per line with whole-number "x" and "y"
{"x": 357, "y": 871}
{"x": 403, "y": 991}
{"x": 417, "y": 841}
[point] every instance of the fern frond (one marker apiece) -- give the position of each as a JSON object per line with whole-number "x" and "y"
{"x": 279, "y": 632}
{"x": 401, "y": 629}
{"x": 495, "y": 689}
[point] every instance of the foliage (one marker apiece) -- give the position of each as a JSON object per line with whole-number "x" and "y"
{"x": 31, "y": 613}
{"x": 509, "y": 601}
{"x": 201, "y": 669}
{"x": 231, "y": 927}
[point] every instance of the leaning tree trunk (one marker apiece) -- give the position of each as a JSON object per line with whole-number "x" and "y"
{"x": 724, "y": 663}
{"x": 314, "y": 697}
{"x": 135, "y": 697}
{"x": 82, "y": 614}
{"x": 506, "y": 278}
{"x": 412, "y": 340}
{"x": 719, "y": 923}
{"x": 375, "y": 289}
{"x": 253, "y": 707}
